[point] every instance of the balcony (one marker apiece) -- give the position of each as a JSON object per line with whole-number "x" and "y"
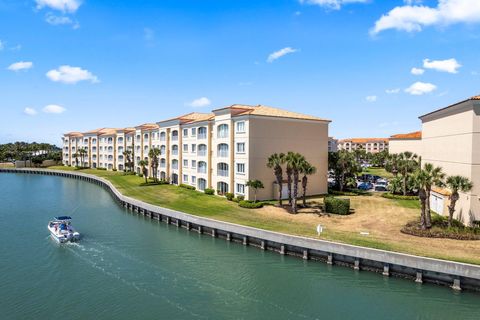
{"x": 222, "y": 173}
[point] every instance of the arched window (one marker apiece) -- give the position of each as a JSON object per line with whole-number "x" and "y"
{"x": 94, "y": 140}
{"x": 120, "y": 158}
{"x": 163, "y": 175}
{"x": 202, "y": 150}
{"x": 222, "y": 150}
{"x": 162, "y": 136}
{"x": 174, "y": 150}
{"x": 202, "y": 133}
{"x": 120, "y": 149}
{"x": 222, "y": 187}
{"x": 163, "y": 163}
{"x": 110, "y": 158}
{"x": 110, "y": 149}
{"x": 175, "y": 164}
{"x": 202, "y": 184}
{"x": 120, "y": 140}
{"x": 162, "y": 150}
{"x": 222, "y": 131}
{"x": 222, "y": 169}
{"x": 110, "y": 140}
{"x": 202, "y": 167}
{"x": 145, "y": 136}
{"x": 174, "y": 135}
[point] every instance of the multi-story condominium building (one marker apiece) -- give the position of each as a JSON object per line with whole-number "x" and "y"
{"x": 221, "y": 150}
{"x": 450, "y": 139}
{"x": 332, "y": 144}
{"x": 371, "y": 145}
{"x": 402, "y": 142}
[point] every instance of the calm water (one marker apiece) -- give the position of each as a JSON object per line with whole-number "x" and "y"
{"x": 129, "y": 267}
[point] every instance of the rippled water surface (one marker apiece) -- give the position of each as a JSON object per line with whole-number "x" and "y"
{"x": 128, "y": 267}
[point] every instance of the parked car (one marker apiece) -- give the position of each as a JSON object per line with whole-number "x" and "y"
{"x": 380, "y": 187}
{"x": 365, "y": 186}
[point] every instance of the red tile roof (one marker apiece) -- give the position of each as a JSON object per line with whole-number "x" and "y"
{"x": 407, "y": 136}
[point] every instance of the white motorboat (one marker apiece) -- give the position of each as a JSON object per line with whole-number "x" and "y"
{"x": 61, "y": 229}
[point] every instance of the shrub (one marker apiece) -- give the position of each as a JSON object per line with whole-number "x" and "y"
{"x": 114, "y": 169}
{"x": 209, "y": 191}
{"x": 186, "y": 186}
{"x": 398, "y": 196}
{"x": 99, "y": 168}
{"x": 229, "y": 196}
{"x": 239, "y": 198}
{"x": 250, "y": 204}
{"x": 349, "y": 192}
{"x": 140, "y": 175}
{"x": 337, "y": 205}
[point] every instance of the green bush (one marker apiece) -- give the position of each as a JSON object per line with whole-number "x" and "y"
{"x": 337, "y": 205}
{"x": 114, "y": 169}
{"x": 100, "y": 168}
{"x": 349, "y": 192}
{"x": 229, "y": 196}
{"x": 398, "y": 196}
{"x": 209, "y": 191}
{"x": 250, "y": 204}
{"x": 239, "y": 198}
{"x": 186, "y": 186}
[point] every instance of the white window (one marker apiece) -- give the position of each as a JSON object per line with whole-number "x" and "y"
{"x": 194, "y": 164}
{"x": 185, "y": 148}
{"x": 185, "y": 163}
{"x": 175, "y": 164}
{"x": 241, "y": 127}
{"x": 185, "y": 178}
{"x": 240, "y": 188}
{"x": 185, "y": 132}
{"x": 202, "y": 133}
{"x": 202, "y": 150}
{"x": 240, "y": 167}
{"x": 162, "y": 136}
{"x": 194, "y": 148}
{"x": 174, "y": 150}
{"x": 222, "y": 150}
{"x": 222, "y": 131}
{"x": 241, "y": 147}
{"x": 194, "y": 132}
{"x": 194, "y": 179}
{"x": 202, "y": 167}
{"x": 222, "y": 169}
{"x": 174, "y": 135}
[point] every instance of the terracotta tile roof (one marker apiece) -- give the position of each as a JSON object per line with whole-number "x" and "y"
{"x": 147, "y": 126}
{"x": 261, "y": 110}
{"x": 74, "y": 134}
{"x": 95, "y": 131}
{"x": 108, "y": 132}
{"x": 195, "y": 117}
{"x": 475, "y": 98}
{"x": 405, "y": 136}
{"x": 363, "y": 140}
{"x": 450, "y": 106}
{"x": 442, "y": 191}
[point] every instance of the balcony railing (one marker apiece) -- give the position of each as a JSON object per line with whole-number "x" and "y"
{"x": 222, "y": 173}
{"x": 202, "y": 136}
{"x": 222, "y": 154}
{"x": 202, "y": 170}
{"x": 202, "y": 153}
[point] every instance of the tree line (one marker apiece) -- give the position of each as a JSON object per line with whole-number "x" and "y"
{"x": 29, "y": 151}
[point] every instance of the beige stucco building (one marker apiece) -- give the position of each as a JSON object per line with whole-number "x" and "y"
{"x": 221, "y": 150}
{"x": 371, "y": 145}
{"x": 411, "y": 142}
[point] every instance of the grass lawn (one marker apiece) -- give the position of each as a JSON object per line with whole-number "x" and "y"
{"x": 381, "y": 172}
{"x": 381, "y": 218}
{"x": 6, "y": 165}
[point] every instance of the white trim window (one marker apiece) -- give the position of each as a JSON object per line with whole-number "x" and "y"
{"x": 185, "y": 132}
{"x": 185, "y": 163}
{"x": 185, "y": 147}
{"x": 194, "y": 132}
{"x": 222, "y": 131}
{"x": 240, "y": 188}
{"x": 241, "y": 168}
{"x": 240, "y": 147}
{"x": 194, "y": 164}
{"x": 194, "y": 180}
{"x": 185, "y": 178}
{"x": 194, "y": 148}
{"x": 240, "y": 126}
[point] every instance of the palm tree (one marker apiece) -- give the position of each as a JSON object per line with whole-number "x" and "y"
{"x": 391, "y": 164}
{"x": 295, "y": 161}
{"x": 255, "y": 184}
{"x": 434, "y": 177}
{"x": 75, "y": 156}
{"x": 407, "y": 163}
{"x": 456, "y": 183}
{"x": 395, "y": 185}
{"x": 419, "y": 181}
{"x": 275, "y": 162}
{"x": 307, "y": 169}
{"x": 128, "y": 159}
{"x": 153, "y": 154}
{"x": 144, "y": 164}
{"x": 288, "y": 156}
{"x": 82, "y": 152}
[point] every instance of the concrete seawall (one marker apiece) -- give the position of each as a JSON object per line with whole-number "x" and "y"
{"x": 420, "y": 269}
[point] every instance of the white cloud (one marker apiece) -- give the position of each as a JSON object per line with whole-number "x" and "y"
{"x": 200, "y": 102}
{"x": 57, "y": 20}
{"x": 449, "y": 65}
{"x": 21, "y": 65}
{"x": 371, "y": 98}
{"x": 280, "y": 53}
{"x": 30, "y": 111}
{"x": 412, "y": 17}
{"x": 53, "y": 108}
{"x": 71, "y": 75}
{"x": 420, "y": 88}
{"x": 331, "y": 4}
{"x": 417, "y": 71}
{"x": 60, "y": 5}
{"x": 392, "y": 91}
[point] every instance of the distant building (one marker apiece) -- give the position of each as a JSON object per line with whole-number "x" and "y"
{"x": 412, "y": 142}
{"x": 332, "y": 144}
{"x": 371, "y": 145}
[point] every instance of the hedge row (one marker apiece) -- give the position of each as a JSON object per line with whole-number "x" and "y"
{"x": 209, "y": 191}
{"x": 250, "y": 204}
{"x": 186, "y": 186}
{"x": 398, "y": 196}
{"x": 337, "y": 205}
{"x": 350, "y": 192}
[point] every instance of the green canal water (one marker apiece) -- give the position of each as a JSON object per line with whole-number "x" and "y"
{"x": 129, "y": 267}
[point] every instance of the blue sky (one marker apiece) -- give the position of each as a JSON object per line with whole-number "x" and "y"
{"x": 77, "y": 65}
